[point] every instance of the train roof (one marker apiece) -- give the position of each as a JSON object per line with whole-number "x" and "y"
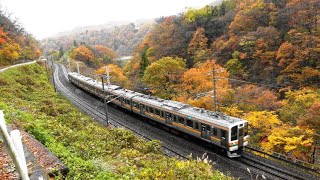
{"x": 181, "y": 108}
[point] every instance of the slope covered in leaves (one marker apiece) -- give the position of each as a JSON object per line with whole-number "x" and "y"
{"x": 90, "y": 150}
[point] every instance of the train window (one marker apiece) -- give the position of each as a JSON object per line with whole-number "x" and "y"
{"x": 246, "y": 129}
{"x": 127, "y": 101}
{"x": 208, "y": 129}
{"x": 157, "y": 112}
{"x": 214, "y": 131}
{"x": 162, "y": 113}
{"x": 223, "y": 134}
{"x": 203, "y": 128}
{"x": 181, "y": 120}
{"x": 197, "y": 126}
{"x": 134, "y": 104}
{"x": 175, "y": 118}
{"x": 151, "y": 110}
{"x": 189, "y": 123}
{"x": 234, "y": 133}
{"x": 168, "y": 115}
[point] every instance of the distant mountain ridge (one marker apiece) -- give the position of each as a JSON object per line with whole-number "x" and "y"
{"x": 121, "y": 36}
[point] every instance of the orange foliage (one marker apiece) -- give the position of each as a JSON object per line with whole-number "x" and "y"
{"x": 103, "y": 51}
{"x": 82, "y": 53}
{"x": 312, "y": 117}
{"x": 199, "y": 80}
{"x": 3, "y": 37}
{"x": 251, "y": 97}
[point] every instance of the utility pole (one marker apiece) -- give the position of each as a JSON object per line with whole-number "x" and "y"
{"x": 69, "y": 65}
{"x": 78, "y": 67}
{"x": 46, "y": 64}
{"x": 105, "y": 101}
{"x": 108, "y": 76}
{"x": 54, "y": 84}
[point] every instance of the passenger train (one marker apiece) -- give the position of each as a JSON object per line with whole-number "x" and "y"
{"x": 229, "y": 133}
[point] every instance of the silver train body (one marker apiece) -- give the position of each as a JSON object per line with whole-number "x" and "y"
{"x": 229, "y": 133}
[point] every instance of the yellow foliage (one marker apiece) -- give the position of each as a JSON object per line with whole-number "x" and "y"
{"x": 290, "y": 140}
{"x": 9, "y": 52}
{"x": 232, "y": 111}
{"x": 263, "y": 121}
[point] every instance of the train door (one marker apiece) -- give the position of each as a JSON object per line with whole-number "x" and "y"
{"x": 205, "y": 131}
{"x": 142, "y": 109}
{"x": 121, "y": 100}
{"x": 241, "y": 134}
{"x": 169, "y": 118}
{"x": 224, "y": 138}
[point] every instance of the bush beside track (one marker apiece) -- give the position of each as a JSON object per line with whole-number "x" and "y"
{"x": 90, "y": 150}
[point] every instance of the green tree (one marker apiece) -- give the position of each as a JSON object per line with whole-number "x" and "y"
{"x": 61, "y": 52}
{"x": 235, "y": 67}
{"x": 144, "y": 62}
{"x": 164, "y": 76}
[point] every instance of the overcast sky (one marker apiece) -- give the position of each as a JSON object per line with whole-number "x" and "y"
{"x": 44, "y": 18}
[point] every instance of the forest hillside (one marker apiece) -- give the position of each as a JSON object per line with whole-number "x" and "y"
{"x": 15, "y": 43}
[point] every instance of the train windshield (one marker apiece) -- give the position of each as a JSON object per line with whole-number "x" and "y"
{"x": 234, "y": 133}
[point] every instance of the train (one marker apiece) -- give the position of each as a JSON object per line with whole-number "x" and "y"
{"x": 227, "y": 132}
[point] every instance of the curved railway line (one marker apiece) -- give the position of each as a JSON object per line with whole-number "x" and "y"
{"x": 259, "y": 168}
{"x": 88, "y": 108}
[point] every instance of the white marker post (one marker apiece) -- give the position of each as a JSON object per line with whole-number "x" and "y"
{"x": 14, "y": 153}
{"x": 16, "y": 138}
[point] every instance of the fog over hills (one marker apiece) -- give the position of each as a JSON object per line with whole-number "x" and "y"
{"x": 121, "y": 36}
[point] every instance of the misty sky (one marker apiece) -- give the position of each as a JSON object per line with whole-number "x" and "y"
{"x": 44, "y": 18}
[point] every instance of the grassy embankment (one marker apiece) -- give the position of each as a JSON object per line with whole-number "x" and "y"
{"x": 90, "y": 150}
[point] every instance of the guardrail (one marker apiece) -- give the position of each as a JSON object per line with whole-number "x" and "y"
{"x": 4, "y": 69}
{"x": 299, "y": 163}
{"x": 15, "y": 147}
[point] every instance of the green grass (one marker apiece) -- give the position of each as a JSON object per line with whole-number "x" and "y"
{"x": 90, "y": 150}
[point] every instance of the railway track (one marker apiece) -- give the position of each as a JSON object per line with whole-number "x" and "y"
{"x": 101, "y": 116}
{"x": 269, "y": 171}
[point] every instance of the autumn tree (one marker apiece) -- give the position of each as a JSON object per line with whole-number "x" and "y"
{"x": 198, "y": 82}
{"x": 163, "y": 76}
{"x": 299, "y": 59}
{"x": 261, "y": 124}
{"x": 107, "y": 54}
{"x": 170, "y": 37}
{"x": 116, "y": 75}
{"x": 82, "y": 53}
{"x": 198, "y": 47}
{"x": 292, "y": 141}
{"x": 254, "y": 98}
{"x": 297, "y": 104}
{"x": 251, "y": 15}
{"x": 9, "y": 52}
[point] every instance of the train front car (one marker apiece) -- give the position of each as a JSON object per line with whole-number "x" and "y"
{"x": 238, "y": 138}
{"x": 229, "y": 133}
